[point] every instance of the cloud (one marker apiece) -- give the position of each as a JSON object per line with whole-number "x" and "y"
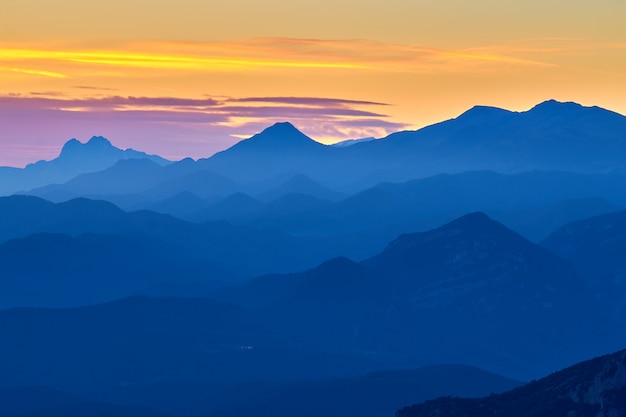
{"x": 258, "y": 54}
{"x": 38, "y": 72}
{"x": 177, "y": 127}
{"x": 90, "y": 87}
{"x": 308, "y": 101}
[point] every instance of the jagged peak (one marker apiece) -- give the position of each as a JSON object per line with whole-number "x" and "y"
{"x": 96, "y": 142}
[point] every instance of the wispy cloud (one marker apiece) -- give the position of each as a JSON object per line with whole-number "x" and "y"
{"x": 262, "y": 54}
{"x": 181, "y": 126}
{"x": 93, "y": 88}
{"x": 37, "y": 72}
{"x": 308, "y": 101}
{"x": 172, "y": 108}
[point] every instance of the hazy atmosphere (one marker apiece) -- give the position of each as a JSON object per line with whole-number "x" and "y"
{"x": 312, "y": 209}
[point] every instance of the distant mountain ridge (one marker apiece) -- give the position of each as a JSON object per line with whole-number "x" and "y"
{"x": 75, "y": 158}
{"x": 167, "y": 249}
{"x": 551, "y": 136}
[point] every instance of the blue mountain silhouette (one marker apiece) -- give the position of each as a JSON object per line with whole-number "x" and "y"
{"x": 592, "y": 388}
{"x": 75, "y": 158}
{"x": 445, "y": 294}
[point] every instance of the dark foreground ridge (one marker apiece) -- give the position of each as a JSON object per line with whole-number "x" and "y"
{"x": 595, "y": 388}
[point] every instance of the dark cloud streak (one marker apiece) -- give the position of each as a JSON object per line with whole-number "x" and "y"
{"x": 203, "y": 124}
{"x": 308, "y": 101}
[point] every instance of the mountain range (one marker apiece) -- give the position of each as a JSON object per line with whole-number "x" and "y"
{"x": 135, "y": 250}
{"x": 441, "y": 294}
{"x": 75, "y": 158}
{"x": 423, "y": 283}
{"x": 286, "y": 277}
{"x": 552, "y": 136}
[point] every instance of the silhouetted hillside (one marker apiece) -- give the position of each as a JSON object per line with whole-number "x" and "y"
{"x": 551, "y": 136}
{"x": 91, "y": 268}
{"x": 47, "y": 402}
{"x": 167, "y": 250}
{"x": 143, "y": 340}
{"x": 75, "y": 158}
{"x": 301, "y": 184}
{"x": 595, "y": 388}
{"x": 279, "y": 149}
{"x": 373, "y": 395}
{"x": 597, "y": 248}
{"x": 182, "y": 205}
{"x": 470, "y": 291}
{"x": 533, "y": 204}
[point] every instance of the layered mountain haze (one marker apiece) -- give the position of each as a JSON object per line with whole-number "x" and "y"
{"x": 455, "y": 286}
{"x": 285, "y": 277}
{"x": 152, "y": 249}
{"x": 552, "y": 136}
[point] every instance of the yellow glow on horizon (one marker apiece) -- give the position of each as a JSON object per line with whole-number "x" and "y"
{"x": 34, "y": 72}
{"x": 430, "y": 60}
{"x": 144, "y": 60}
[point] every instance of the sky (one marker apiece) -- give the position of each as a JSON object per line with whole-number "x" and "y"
{"x": 189, "y": 77}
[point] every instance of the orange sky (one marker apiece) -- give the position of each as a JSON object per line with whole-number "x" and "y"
{"x": 187, "y": 78}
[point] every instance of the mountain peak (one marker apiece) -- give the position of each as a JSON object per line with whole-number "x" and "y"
{"x": 284, "y": 126}
{"x": 74, "y": 146}
{"x": 282, "y": 133}
{"x": 71, "y": 145}
{"x": 475, "y": 218}
{"x": 473, "y": 227}
{"x": 484, "y": 114}
{"x": 552, "y": 105}
{"x": 100, "y": 141}
{"x": 282, "y": 136}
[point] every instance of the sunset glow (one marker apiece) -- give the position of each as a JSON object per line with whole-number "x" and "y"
{"x": 182, "y": 82}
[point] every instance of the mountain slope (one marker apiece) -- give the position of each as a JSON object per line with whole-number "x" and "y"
{"x": 208, "y": 251}
{"x": 373, "y": 395}
{"x": 551, "y": 136}
{"x": 471, "y": 291}
{"x": 279, "y": 149}
{"x": 47, "y": 402}
{"x": 301, "y": 184}
{"x": 91, "y": 268}
{"x": 142, "y": 340}
{"x": 595, "y": 388}
{"x": 597, "y": 248}
{"x": 534, "y": 204}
